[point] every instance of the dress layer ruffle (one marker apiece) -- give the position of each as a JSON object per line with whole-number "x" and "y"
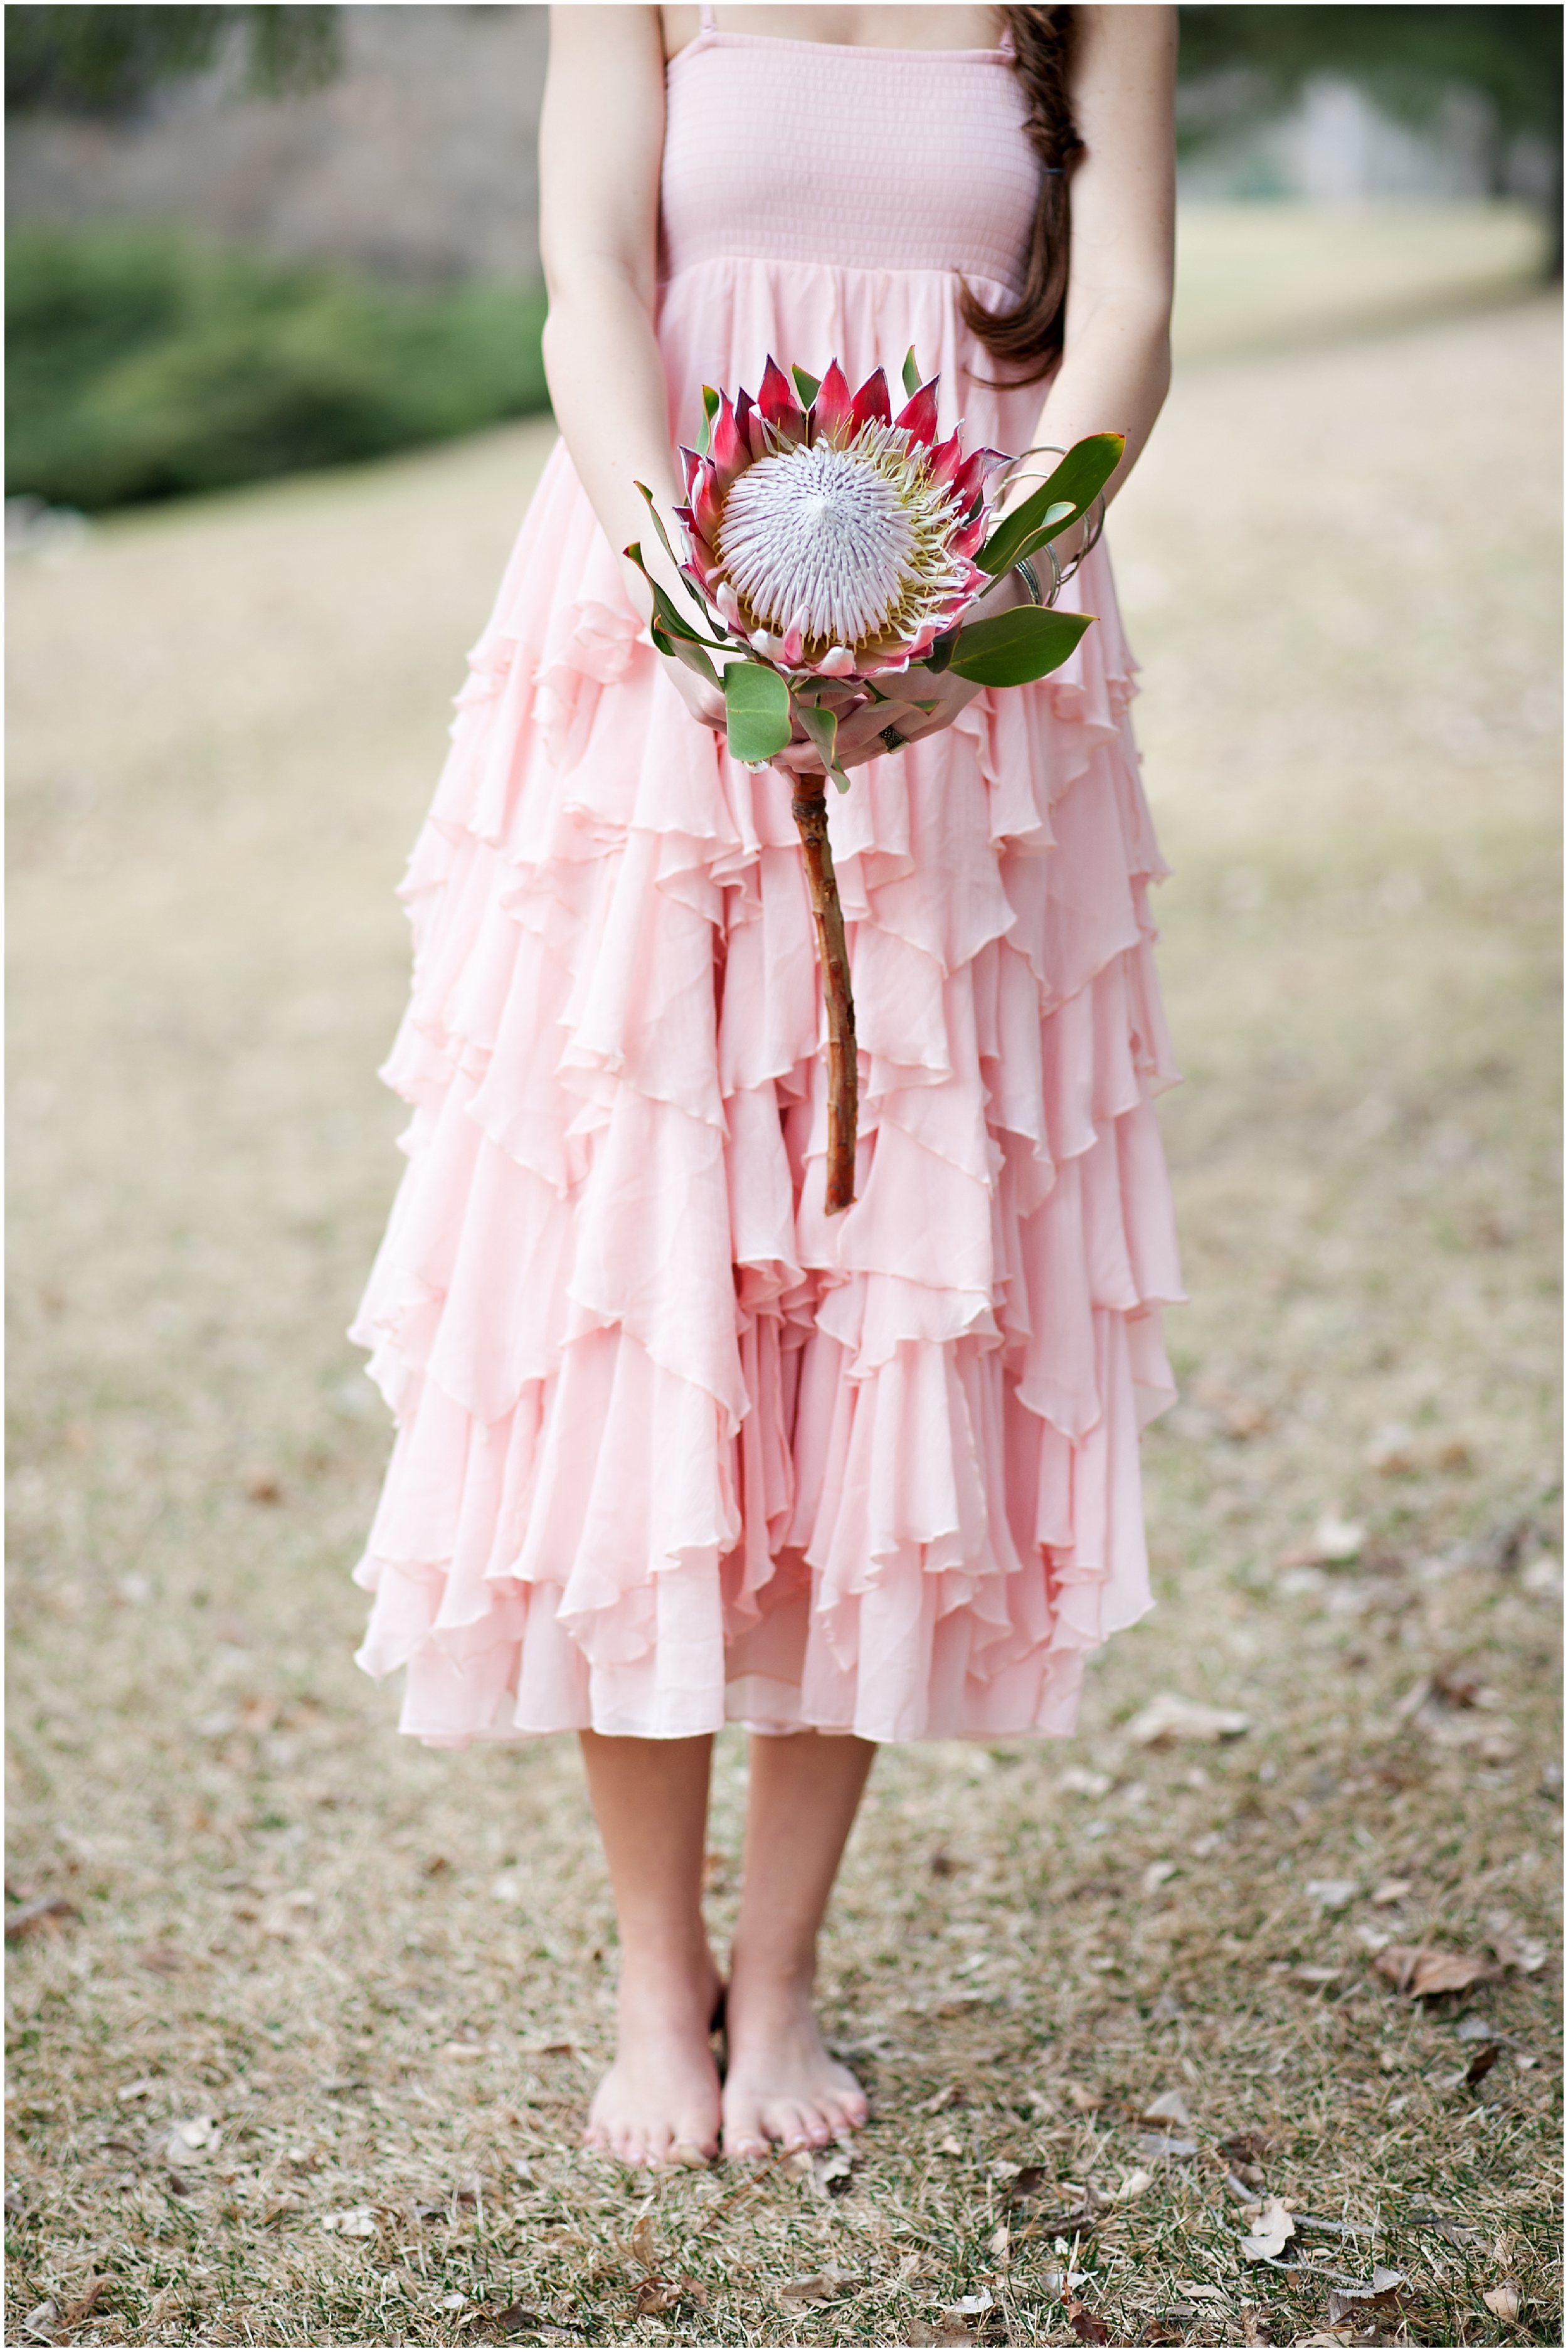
{"x": 673, "y": 1445}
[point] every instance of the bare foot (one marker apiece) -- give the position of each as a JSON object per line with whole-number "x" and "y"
{"x": 660, "y": 2102}
{"x": 781, "y": 2084}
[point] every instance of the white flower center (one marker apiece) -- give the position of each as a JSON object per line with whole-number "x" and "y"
{"x": 824, "y": 535}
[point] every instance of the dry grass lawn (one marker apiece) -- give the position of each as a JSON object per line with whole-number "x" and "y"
{"x": 304, "y": 2057}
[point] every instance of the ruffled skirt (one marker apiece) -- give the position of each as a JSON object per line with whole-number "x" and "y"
{"x": 673, "y": 1445}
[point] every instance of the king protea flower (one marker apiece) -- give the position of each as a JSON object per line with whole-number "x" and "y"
{"x": 834, "y": 538}
{"x": 829, "y": 543}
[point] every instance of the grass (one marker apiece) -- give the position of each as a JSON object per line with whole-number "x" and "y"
{"x": 383, "y": 1978}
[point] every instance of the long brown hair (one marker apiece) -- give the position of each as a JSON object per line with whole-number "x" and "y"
{"x": 1028, "y": 338}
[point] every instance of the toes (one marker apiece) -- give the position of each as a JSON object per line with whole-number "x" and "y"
{"x": 790, "y": 2125}
{"x": 744, "y": 2138}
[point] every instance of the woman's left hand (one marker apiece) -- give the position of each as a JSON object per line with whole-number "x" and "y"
{"x": 861, "y": 735}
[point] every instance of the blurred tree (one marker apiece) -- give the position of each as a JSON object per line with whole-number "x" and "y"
{"x": 1238, "y": 62}
{"x": 108, "y": 60}
{"x": 143, "y": 365}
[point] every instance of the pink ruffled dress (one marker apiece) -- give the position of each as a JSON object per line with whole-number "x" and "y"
{"x": 674, "y": 1447}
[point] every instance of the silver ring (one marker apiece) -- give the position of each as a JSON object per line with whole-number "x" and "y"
{"x": 892, "y": 739}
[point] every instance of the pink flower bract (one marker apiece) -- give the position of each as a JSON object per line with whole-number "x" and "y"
{"x": 837, "y": 539}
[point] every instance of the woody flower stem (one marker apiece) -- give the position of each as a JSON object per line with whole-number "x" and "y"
{"x": 808, "y": 805}
{"x": 828, "y": 542}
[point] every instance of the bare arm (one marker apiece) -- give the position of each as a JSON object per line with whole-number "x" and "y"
{"x": 601, "y": 141}
{"x": 1116, "y": 363}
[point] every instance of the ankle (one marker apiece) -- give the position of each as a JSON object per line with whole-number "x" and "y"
{"x": 787, "y": 1977}
{"x": 668, "y": 1969}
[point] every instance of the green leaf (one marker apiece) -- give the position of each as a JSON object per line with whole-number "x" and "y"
{"x": 684, "y": 650}
{"x": 941, "y": 654}
{"x": 688, "y": 585}
{"x": 911, "y": 375}
{"x": 1069, "y": 493}
{"x": 807, "y": 386}
{"x": 1016, "y": 648}
{"x": 757, "y": 711}
{"x": 669, "y": 616}
{"x": 710, "y": 403}
{"x": 822, "y": 726}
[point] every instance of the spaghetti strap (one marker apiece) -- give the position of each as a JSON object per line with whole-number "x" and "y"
{"x": 709, "y": 26}
{"x": 1003, "y": 48}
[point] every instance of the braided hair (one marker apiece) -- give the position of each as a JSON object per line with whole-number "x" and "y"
{"x": 1029, "y": 336}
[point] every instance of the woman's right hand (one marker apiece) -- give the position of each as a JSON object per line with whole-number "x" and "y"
{"x": 705, "y": 702}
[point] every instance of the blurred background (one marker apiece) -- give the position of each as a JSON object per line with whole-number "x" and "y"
{"x": 247, "y": 240}
{"x": 304, "y": 2014}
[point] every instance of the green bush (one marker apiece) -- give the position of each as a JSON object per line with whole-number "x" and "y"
{"x": 141, "y": 366}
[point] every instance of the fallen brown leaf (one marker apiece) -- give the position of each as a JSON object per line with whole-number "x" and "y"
{"x": 1268, "y": 2223}
{"x": 1168, "y": 2107}
{"x": 1458, "y": 1685}
{"x": 1481, "y": 2065}
{"x": 1169, "y": 1718}
{"x": 1514, "y": 1949}
{"x": 1392, "y": 1450}
{"x": 1421, "y": 1970}
{"x": 656, "y": 2295}
{"x": 163, "y": 1960}
{"x": 818, "y": 2288}
{"x": 1384, "y": 2299}
{"x": 1085, "y": 2325}
{"x": 1245, "y": 2146}
{"x": 1502, "y": 2300}
{"x": 46, "y": 1911}
{"x": 1334, "y": 1543}
{"x": 1257, "y": 2326}
{"x": 1491, "y": 1738}
{"x": 1239, "y": 1416}
{"x": 92, "y": 2294}
{"x": 645, "y": 2245}
{"x": 514, "y": 2319}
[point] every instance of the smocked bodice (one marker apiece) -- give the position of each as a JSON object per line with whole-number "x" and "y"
{"x": 854, "y": 159}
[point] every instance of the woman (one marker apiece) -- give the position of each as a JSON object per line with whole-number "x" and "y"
{"x": 672, "y": 1447}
